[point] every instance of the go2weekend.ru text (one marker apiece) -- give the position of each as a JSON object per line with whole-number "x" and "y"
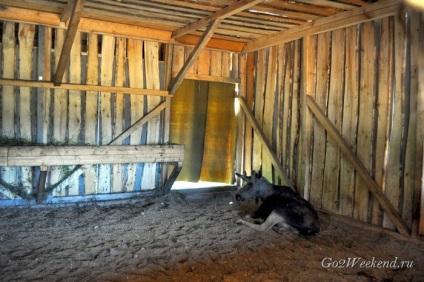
{"x": 362, "y": 263}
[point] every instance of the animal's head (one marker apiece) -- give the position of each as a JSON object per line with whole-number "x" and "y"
{"x": 254, "y": 186}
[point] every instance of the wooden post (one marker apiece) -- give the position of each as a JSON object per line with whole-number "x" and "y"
{"x": 41, "y": 184}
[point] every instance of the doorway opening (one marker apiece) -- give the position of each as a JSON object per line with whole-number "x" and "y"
{"x": 203, "y": 119}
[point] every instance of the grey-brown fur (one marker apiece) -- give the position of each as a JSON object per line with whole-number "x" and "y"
{"x": 281, "y": 207}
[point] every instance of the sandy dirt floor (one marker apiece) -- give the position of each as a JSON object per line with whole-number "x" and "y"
{"x": 190, "y": 237}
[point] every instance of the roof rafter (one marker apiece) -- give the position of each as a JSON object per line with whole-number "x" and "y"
{"x": 194, "y": 54}
{"x": 221, "y": 14}
{"x": 344, "y": 19}
{"x": 69, "y": 40}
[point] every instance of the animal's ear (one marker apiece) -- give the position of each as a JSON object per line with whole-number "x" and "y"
{"x": 258, "y": 174}
{"x": 243, "y": 177}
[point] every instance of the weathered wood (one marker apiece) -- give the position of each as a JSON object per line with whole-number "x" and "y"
{"x": 211, "y": 78}
{"x": 75, "y": 155}
{"x": 307, "y": 89}
{"x": 60, "y": 112}
{"x": 295, "y": 154}
{"x": 118, "y": 125}
{"x": 417, "y": 86}
{"x": 385, "y": 71}
{"x": 266, "y": 146}
{"x": 69, "y": 40}
{"x": 84, "y": 87}
{"x": 75, "y": 96}
{"x": 9, "y": 63}
{"x": 226, "y": 64}
{"x": 394, "y": 166}
{"x": 166, "y": 119}
{"x": 286, "y": 93}
{"x": 322, "y": 81}
{"x": 194, "y": 55}
{"x": 350, "y": 120}
{"x": 221, "y": 14}
{"x": 216, "y": 66}
{"x": 355, "y": 16}
{"x": 91, "y": 111}
{"x": 248, "y": 142}
{"x": 47, "y": 59}
{"x": 67, "y": 12}
{"x": 269, "y": 108}
{"x": 359, "y": 166}
{"x": 172, "y": 177}
{"x": 41, "y": 184}
{"x": 331, "y": 185}
{"x": 136, "y": 79}
{"x": 260, "y": 77}
{"x": 366, "y": 120}
{"x": 241, "y": 124}
{"x": 8, "y": 93}
{"x": 408, "y": 152}
{"x": 106, "y": 74}
{"x": 25, "y": 117}
{"x": 74, "y": 106}
{"x": 26, "y": 43}
{"x": 151, "y": 50}
{"x": 61, "y": 97}
{"x": 204, "y": 63}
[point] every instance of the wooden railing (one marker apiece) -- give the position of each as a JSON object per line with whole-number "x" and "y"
{"x": 45, "y": 156}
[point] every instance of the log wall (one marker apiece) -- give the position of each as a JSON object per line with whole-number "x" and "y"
{"x": 365, "y": 79}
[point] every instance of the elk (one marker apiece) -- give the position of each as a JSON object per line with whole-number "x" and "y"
{"x": 282, "y": 208}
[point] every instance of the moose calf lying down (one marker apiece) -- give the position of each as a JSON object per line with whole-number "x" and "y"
{"x": 281, "y": 208}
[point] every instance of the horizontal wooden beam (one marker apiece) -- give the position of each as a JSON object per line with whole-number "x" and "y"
{"x": 362, "y": 14}
{"x": 89, "y": 155}
{"x": 21, "y": 14}
{"x": 359, "y": 167}
{"x": 228, "y": 11}
{"x": 84, "y": 87}
{"x": 211, "y": 78}
{"x": 265, "y": 144}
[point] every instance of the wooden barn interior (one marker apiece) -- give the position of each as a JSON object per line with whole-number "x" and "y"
{"x": 107, "y": 98}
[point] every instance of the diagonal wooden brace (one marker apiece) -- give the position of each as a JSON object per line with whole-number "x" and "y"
{"x": 359, "y": 167}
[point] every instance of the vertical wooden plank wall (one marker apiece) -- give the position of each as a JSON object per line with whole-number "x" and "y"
{"x": 273, "y": 78}
{"x": 364, "y": 78}
{"x": 8, "y": 97}
{"x": 212, "y": 65}
{"x": 78, "y": 117}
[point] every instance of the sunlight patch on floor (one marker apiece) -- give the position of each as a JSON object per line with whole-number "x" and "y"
{"x": 195, "y": 185}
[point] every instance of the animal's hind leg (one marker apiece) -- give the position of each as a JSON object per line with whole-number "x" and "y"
{"x": 273, "y": 219}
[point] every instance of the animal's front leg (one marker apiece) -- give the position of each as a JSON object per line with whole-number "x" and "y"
{"x": 273, "y": 219}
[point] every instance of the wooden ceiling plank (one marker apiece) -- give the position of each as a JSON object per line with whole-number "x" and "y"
{"x": 344, "y": 19}
{"x": 194, "y": 54}
{"x": 265, "y": 9}
{"x": 69, "y": 40}
{"x": 225, "y": 12}
{"x": 311, "y": 9}
{"x": 328, "y": 3}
